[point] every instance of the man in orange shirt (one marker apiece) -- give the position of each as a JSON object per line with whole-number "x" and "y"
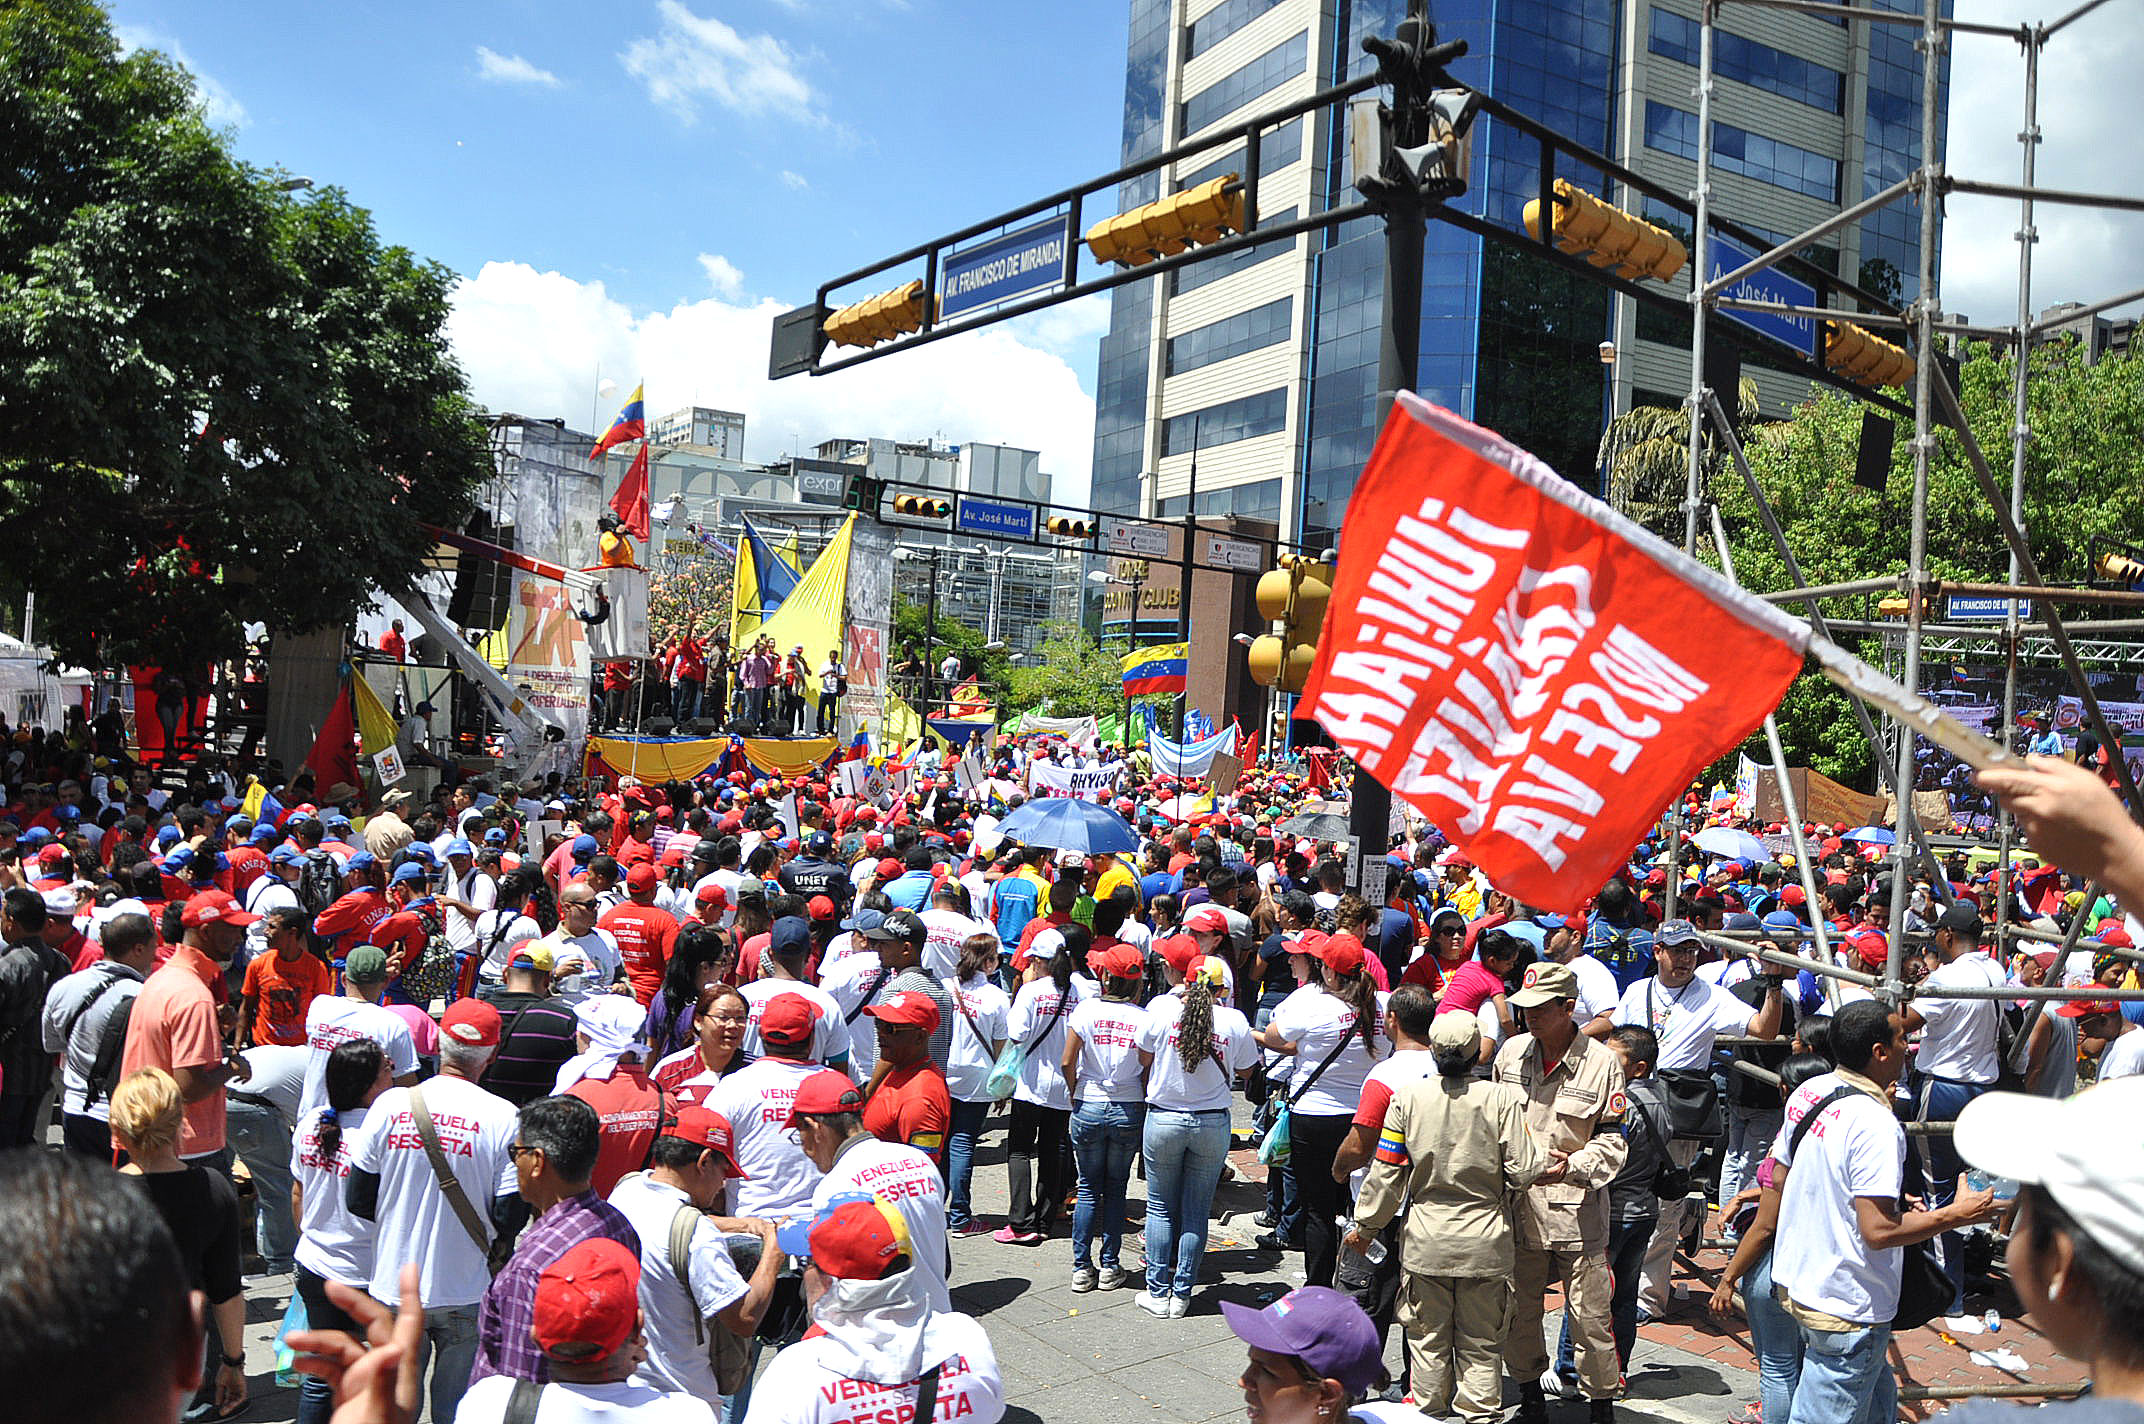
{"x": 281, "y": 986}
{"x": 644, "y": 930}
{"x": 174, "y": 1023}
{"x": 908, "y": 1101}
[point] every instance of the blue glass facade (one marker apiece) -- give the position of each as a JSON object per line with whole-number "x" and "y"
{"x": 1120, "y": 386}
{"x": 1891, "y": 238}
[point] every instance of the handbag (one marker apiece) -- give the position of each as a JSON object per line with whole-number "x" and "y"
{"x": 286, "y": 1370}
{"x": 1924, "y": 1289}
{"x": 1005, "y": 1073}
{"x": 1273, "y": 1148}
{"x": 1692, "y": 1097}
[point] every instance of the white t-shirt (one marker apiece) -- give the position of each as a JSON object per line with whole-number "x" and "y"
{"x": 1686, "y": 1020}
{"x": 270, "y": 892}
{"x": 906, "y": 1180}
{"x": 1820, "y": 1258}
{"x": 2124, "y": 1057}
{"x": 1597, "y": 993}
{"x": 414, "y": 1221}
{"x": 842, "y": 948}
{"x": 948, "y": 929}
{"x": 1035, "y": 1021}
{"x": 332, "y": 1243}
{"x": 674, "y": 1361}
{"x": 1206, "y": 1087}
{"x": 497, "y": 933}
{"x": 1961, "y": 1039}
{"x": 582, "y": 965}
{"x": 805, "y": 1384}
{"x": 625, "y": 1402}
{"x": 1314, "y": 1021}
{"x": 756, "y": 1099}
{"x": 829, "y": 1038}
{"x": 331, "y": 1021}
{"x": 1392, "y": 1073}
{"x": 727, "y": 879}
{"x": 968, "y": 1057}
{"x": 1109, "y": 1070}
{"x": 479, "y": 890}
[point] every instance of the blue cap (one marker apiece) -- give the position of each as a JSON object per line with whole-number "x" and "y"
{"x": 262, "y": 833}
{"x": 336, "y": 818}
{"x": 165, "y": 835}
{"x": 789, "y": 936}
{"x": 1783, "y": 920}
{"x": 409, "y": 871}
{"x": 1552, "y": 922}
{"x": 420, "y": 850}
{"x": 818, "y": 842}
{"x": 864, "y": 921}
{"x": 285, "y": 855}
{"x": 583, "y": 847}
{"x": 460, "y": 846}
{"x": 360, "y": 860}
{"x": 68, "y": 813}
{"x": 495, "y": 836}
{"x": 38, "y": 835}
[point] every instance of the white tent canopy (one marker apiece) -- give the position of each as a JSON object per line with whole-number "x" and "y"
{"x": 30, "y": 695}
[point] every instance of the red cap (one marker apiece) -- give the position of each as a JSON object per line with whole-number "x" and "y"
{"x": 788, "y": 1020}
{"x": 707, "y": 1128}
{"x": 641, "y": 877}
{"x": 825, "y": 1091}
{"x": 910, "y": 1007}
{"x": 1178, "y": 952}
{"x": 712, "y": 893}
{"x": 1869, "y": 946}
{"x": 471, "y": 1022}
{"x": 2086, "y": 1008}
{"x": 664, "y": 814}
{"x": 858, "y": 1240}
{"x": 588, "y": 1300}
{"x": 2114, "y": 934}
{"x": 1206, "y": 919}
{"x": 1793, "y": 895}
{"x": 820, "y": 907}
{"x": 673, "y": 854}
{"x": 888, "y": 868}
{"x": 1119, "y": 961}
{"x": 1341, "y": 953}
{"x": 213, "y": 907}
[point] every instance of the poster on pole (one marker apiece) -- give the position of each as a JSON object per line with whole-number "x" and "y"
{"x": 1223, "y": 772}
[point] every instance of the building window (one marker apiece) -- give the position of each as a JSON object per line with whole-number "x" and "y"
{"x": 1253, "y": 330}
{"x": 1258, "y": 500}
{"x": 1276, "y": 151}
{"x": 1226, "y": 95}
{"x": 1734, "y": 150}
{"x": 1213, "y": 269}
{"x": 1220, "y": 22}
{"x": 1239, "y": 419}
{"x": 1748, "y": 62}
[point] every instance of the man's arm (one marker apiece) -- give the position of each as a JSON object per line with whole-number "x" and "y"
{"x": 1355, "y": 1149}
{"x": 1883, "y": 1225}
{"x": 742, "y": 1315}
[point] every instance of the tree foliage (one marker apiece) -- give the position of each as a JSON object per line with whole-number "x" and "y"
{"x": 1646, "y": 453}
{"x": 1076, "y": 677}
{"x": 224, "y": 403}
{"x": 914, "y": 631}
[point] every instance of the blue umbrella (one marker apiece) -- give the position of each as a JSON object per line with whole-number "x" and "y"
{"x": 1870, "y": 835}
{"x": 1068, "y": 823}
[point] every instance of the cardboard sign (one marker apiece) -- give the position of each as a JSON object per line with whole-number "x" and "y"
{"x": 1222, "y": 774}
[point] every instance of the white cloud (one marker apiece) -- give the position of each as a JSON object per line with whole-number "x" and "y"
{"x": 697, "y": 58}
{"x": 722, "y": 275}
{"x": 497, "y": 68}
{"x": 2087, "y": 78}
{"x": 532, "y": 341}
{"x": 219, "y": 103}
{"x": 793, "y": 179}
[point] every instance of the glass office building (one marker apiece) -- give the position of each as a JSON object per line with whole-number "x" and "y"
{"x": 1250, "y": 386}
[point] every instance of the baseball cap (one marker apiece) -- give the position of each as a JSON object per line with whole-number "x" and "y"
{"x": 262, "y": 833}
{"x": 1676, "y": 931}
{"x": 2084, "y": 1151}
{"x": 583, "y": 847}
{"x": 2085, "y": 1009}
{"x": 1341, "y": 953}
{"x": 1119, "y": 961}
{"x": 409, "y": 872}
{"x": 889, "y": 868}
{"x": 60, "y": 902}
{"x": 588, "y": 1300}
{"x": 712, "y": 894}
{"x": 1046, "y": 945}
{"x": 1962, "y": 920}
{"x": 641, "y": 877}
{"x": 285, "y": 855}
{"x": 910, "y": 1007}
{"x": 1455, "y": 1029}
{"x": 821, "y": 907}
{"x": 1545, "y": 980}
{"x": 826, "y": 1091}
{"x": 1783, "y": 920}
{"x": 1321, "y": 1327}
{"x": 367, "y": 964}
{"x": 788, "y": 1020}
{"x": 362, "y": 860}
{"x": 856, "y": 1238}
{"x": 1793, "y": 895}
{"x": 897, "y": 924}
{"x": 789, "y": 937}
{"x": 818, "y": 843}
{"x": 706, "y": 1128}
{"x": 530, "y": 955}
{"x": 213, "y": 907}
{"x": 1869, "y": 946}
{"x": 496, "y": 836}
{"x": 471, "y": 1022}
{"x": 1177, "y": 951}
{"x": 1206, "y": 919}
{"x": 460, "y": 846}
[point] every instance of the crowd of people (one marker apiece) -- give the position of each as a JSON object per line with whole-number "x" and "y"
{"x": 676, "y": 1110}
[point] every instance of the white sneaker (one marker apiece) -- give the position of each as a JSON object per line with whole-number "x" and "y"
{"x": 1155, "y": 1304}
{"x": 1555, "y": 1386}
{"x": 1179, "y": 1306}
{"x": 1111, "y": 1279}
{"x": 1082, "y": 1279}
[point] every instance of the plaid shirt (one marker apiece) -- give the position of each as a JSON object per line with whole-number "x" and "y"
{"x": 506, "y": 1319}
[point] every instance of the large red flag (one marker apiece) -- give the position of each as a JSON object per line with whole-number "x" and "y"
{"x": 1530, "y": 670}
{"x": 333, "y": 759}
{"x": 630, "y": 503}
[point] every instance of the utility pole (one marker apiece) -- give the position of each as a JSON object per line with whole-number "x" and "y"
{"x": 930, "y": 633}
{"x": 1183, "y": 581}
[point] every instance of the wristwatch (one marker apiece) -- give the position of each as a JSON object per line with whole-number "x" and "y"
{"x": 236, "y": 1362}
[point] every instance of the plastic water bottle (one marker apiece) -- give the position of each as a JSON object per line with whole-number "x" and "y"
{"x": 1992, "y": 1321}
{"x": 2005, "y": 1188}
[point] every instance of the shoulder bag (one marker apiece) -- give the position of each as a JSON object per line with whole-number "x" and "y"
{"x": 1005, "y": 1073}
{"x": 727, "y": 1353}
{"x": 449, "y": 1185}
{"x": 1692, "y": 1097}
{"x": 1273, "y": 1148}
{"x": 1924, "y": 1291}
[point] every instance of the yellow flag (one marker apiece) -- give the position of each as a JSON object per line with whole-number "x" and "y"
{"x": 375, "y": 725}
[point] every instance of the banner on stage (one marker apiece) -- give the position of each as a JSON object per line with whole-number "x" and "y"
{"x": 389, "y": 765}
{"x": 1533, "y": 672}
{"x": 1088, "y": 783}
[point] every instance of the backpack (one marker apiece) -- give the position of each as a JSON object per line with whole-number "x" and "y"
{"x": 431, "y": 974}
{"x": 319, "y": 886}
{"x": 104, "y": 1073}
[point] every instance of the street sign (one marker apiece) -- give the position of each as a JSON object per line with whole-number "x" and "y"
{"x": 1240, "y": 555}
{"x": 995, "y": 518}
{"x": 1769, "y": 285}
{"x": 1980, "y": 608}
{"x": 1147, "y": 541}
{"x": 1013, "y": 264}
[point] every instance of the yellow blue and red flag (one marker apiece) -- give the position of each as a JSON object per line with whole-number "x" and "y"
{"x": 1392, "y": 1146}
{"x": 631, "y": 424}
{"x": 1160, "y": 668}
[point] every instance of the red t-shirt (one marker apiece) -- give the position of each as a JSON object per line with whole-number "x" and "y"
{"x": 645, "y": 935}
{"x": 283, "y": 991}
{"x": 630, "y": 1109}
{"x": 1472, "y": 984}
{"x": 394, "y": 645}
{"x": 912, "y": 1107}
{"x": 248, "y": 863}
{"x": 348, "y": 922}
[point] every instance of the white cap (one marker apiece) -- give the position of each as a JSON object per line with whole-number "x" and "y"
{"x": 1046, "y": 945}
{"x": 2085, "y": 1151}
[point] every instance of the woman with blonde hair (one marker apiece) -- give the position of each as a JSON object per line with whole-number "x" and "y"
{"x": 200, "y": 1207}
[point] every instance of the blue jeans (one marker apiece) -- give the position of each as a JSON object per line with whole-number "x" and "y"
{"x": 1749, "y": 1136}
{"x": 967, "y": 1126}
{"x": 1845, "y": 1378}
{"x": 1777, "y": 1342}
{"x": 1105, "y": 1138}
{"x": 687, "y": 700}
{"x": 1940, "y": 1100}
{"x": 450, "y": 1344}
{"x": 257, "y": 1133}
{"x": 1185, "y": 1152}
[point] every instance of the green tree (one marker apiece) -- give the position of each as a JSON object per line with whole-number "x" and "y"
{"x": 2084, "y": 476}
{"x": 1646, "y": 452}
{"x": 1075, "y": 677}
{"x": 914, "y": 630}
{"x": 223, "y": 402}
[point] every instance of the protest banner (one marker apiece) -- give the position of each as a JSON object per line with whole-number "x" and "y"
{"x": 1088, "y": 783}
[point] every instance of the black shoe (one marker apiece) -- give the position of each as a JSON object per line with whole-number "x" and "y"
{"x": 1600, "y": 1411}
{"x": 1271, "y": 1241}
{"x": 1533, "y": 1405}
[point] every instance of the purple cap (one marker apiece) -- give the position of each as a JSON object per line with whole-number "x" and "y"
{"x": 1319, "y": 1326}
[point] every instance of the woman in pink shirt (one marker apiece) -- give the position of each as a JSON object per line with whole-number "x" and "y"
{"x": 1482, "y": 979}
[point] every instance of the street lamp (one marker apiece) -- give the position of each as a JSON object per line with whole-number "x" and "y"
{"x": 293, "y": 185}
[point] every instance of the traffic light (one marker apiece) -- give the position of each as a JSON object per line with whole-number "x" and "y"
{"x": 1066, "y": 527}
{"x": 918, "y": 506}
{"x": 2120, "y": 568}
{"x": 1606, "y": 236}
{"x": 1192, "y": 218}
{"x": 878, "y": 318}
{"x": 863, "y": 494}
{"x": 1295, "y": 594}
{"x": 1854, "y": 353}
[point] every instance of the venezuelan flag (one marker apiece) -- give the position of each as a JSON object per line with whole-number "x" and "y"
{"x": 1392, "y": 1147}
{"x": 631, "y": 424}
{"x": 1160, "y": 668}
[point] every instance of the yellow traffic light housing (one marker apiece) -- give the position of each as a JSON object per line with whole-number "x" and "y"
{"x": 1854, "y": 353}
{"x": 1065, "y": 527}
{"x": 2119, "y": 567}
{"x": 1295, "y": 595}
{"x": 1606, "y": 236}
{"x": 1198, "y": 215}
{"x": 878, "y": 318}
{"x": 917, "y": 506}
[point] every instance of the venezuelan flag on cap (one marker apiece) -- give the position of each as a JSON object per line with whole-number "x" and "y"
{"x": 631, "y": 424}
{"x": 1160, "y": 668}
